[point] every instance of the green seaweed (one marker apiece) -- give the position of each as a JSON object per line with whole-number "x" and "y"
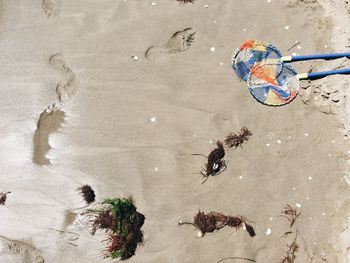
{"x": 122, "y": 223}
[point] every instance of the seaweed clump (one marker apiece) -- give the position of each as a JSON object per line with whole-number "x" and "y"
{"x": 183, "y": 2}
{"x": 213, "y": 221}
{"x": 3, "y": 197}
{"x": 122, "y": 223}
{"x": 237, "y": 139}
{"x": 216, "y": 163}
{"x": 88, "y": 193}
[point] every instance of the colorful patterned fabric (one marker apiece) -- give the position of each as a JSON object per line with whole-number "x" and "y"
{"x": 270, "y": 81}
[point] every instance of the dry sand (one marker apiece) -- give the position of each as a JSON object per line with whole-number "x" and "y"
{"x": 77, "y": 109}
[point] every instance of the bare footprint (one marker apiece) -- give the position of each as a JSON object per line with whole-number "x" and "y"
{"x": 65, "y": 91}
{"x": 67, "y": 88}
{"x": 50, "y": 121}
{"x": 178, "y": 43}
{"x": 24, "y": 252}
{"x": 58, "y": 63}
{"x": 51, "y": 7}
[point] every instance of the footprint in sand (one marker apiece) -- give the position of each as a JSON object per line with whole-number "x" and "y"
{"x": 51, "y": 7}
{"x": 67, "y": 88}
{"x": 178, "y": 43}
{"x": 52, "y": 117}
{"x": 49, "y": 122}
{"x": 19, "y": 251}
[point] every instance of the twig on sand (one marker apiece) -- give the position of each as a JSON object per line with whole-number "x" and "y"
{"x": 214, "y": 221}
{"x": 296, "y": 43}
{"x": 248, "y": 259}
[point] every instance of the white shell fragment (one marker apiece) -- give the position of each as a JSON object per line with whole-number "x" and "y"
{"x": 153, "y": 119}
{"x": 298, "y": 205}
{"x": 268, "y": 231}
{"x": 212, "y": 49}
{"x": 136, "y": 58}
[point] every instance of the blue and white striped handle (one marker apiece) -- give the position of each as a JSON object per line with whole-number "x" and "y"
{"x": 322, "y": 74}
{"x": 319, "y": 56}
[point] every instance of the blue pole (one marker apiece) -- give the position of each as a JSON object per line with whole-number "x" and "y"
{"x": 319, "y": 75}
{"x": 321, "y": 56}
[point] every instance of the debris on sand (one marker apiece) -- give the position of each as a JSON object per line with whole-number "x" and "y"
{"x": 88, "y": 193}
{"x": 207, "y": 223}
{"x": 122, "y": 223}
{"x": 3, "y": 197}
{"x": 291, "y": 214}
{"x": 216, "y": 163}
{"x": 183, "y": 2}
{"x": 237, "y": 139}
{"x": 290, "y": 255}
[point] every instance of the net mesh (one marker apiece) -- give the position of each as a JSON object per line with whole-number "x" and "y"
{"x": 250, "y": 53}
{"x": 270, "y": 81}
{"x": 273, "y": 83}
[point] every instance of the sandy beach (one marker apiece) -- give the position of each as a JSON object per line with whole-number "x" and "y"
{"x": 118, "y": 94}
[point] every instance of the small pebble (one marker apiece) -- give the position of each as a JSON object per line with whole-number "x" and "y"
{"x": 286, "y": 27}
{"x": 299, "y": 47}
{"x": 269, "y": 1}
{"x": 306, "y": 134}
{"x": 307, "y": 198}
{"x": 294, "y": 188}
{"x": 268, "y": 231}
{"x": 200, "y": 234}
{"x": 298, "y": 205}
{"x": 333, "y": 141}
{"x": 156, "y": 169}
{"x": 240, "y": 177}
{"x": 221, "y": 63}
{"x": 310, "y": 178}
{"x": 279, "y": 141}
{"x": 153, "y": 119}
{"x": 271, "y": 218}
{"x": 206, "y": 6}
{"x": 244, "y": 30}
{"x": 267, "y": 144}
{"x": 323, "y": 213}
{"x": 310, "y": 218}
{"x": 212, "y": 49}
{"x": 153, "y": 3}
{"x": 136, "y": 58}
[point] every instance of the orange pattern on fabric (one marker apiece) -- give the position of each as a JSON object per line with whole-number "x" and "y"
{"x": 266, "y": 73}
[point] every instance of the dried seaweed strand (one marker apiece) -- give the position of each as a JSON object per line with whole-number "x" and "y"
{"x": 290, "y": 255}
{"x": 214, "y": 221}
{"x": 290, "y": 213}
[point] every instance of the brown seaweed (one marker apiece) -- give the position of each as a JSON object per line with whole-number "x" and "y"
{"x": 213, "y": 221}
{"x": 290, "y": 213}
{"x": 183, "y": 2}
{"x": 88, "y": 193}
{"x": 3, "y": 197}
{"x": 290, "y": 255}
{"x": 237, "y": 139}
{"x": 215, "y": 162}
